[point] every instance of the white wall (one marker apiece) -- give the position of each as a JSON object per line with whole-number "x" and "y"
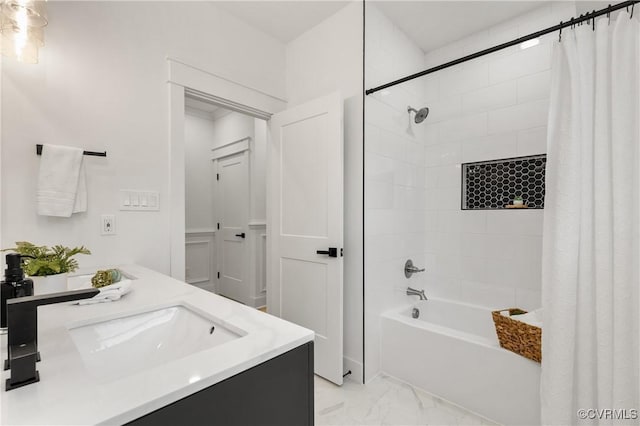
{"x": 231, "y": 128}
{"x": 199, "y": 134}
{"x": 102, "y": 85}
{"x": 258, "y": 179}
{"x": 327, "y": 58}
{"x": 493, "y": 107}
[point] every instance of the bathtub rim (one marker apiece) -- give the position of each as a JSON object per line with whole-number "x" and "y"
{"x": 403, "y": 314}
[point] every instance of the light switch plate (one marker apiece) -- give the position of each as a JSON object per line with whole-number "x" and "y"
{"x": 139, "y": 200}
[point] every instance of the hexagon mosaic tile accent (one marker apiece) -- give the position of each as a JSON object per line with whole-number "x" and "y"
{"x": 494, "y": 185}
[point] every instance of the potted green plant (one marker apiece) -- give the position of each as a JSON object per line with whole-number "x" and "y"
{"x": 48, "y": 267}
{"x": 518, "y": 201}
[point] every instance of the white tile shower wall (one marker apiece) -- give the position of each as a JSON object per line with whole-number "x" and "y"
{"x": 395, "y": 196}
{"x": 493, "y": 107}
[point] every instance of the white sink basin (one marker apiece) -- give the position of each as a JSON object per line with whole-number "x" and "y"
{"x": 123, "y": 346}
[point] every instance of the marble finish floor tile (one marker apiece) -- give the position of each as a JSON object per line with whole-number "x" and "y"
{"x": 385, "y": 401}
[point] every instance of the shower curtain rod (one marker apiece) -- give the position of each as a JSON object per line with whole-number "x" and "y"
{"x": 560, "y": 26}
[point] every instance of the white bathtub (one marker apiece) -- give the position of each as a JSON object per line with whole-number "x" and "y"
{"x": 452, "y": 351}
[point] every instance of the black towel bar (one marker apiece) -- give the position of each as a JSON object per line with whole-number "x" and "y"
{"x": 92, "y": 153}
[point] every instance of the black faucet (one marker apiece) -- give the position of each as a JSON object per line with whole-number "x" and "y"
{"x": 22, "y": 327}
{"x": 13, "y": 285}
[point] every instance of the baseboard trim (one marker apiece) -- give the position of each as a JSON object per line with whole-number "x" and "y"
{"x": 259, "y": 301}
{"x": 355, "y": 367}
{"x": 373, "y": 376}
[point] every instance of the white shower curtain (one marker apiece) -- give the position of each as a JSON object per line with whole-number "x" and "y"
{"x": 590, "y": 357}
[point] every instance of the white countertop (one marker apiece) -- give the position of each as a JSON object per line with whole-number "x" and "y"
{"x": 69, "y": 394}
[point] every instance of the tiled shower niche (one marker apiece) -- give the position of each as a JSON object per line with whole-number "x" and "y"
{"x": 493, "y": 185}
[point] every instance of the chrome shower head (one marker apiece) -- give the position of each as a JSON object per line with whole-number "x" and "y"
{"x": 421, "y": 114}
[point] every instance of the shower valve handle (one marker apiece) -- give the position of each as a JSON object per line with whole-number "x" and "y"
{"x": 410, "y": 269}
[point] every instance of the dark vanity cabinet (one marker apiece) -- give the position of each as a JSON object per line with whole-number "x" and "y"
{"x": 276, "y": 392}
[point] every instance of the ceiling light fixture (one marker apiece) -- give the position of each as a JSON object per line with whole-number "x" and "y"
{"x": 21, "y": 29}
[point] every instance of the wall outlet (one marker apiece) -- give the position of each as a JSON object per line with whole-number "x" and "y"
{"x": 107, "y": 224}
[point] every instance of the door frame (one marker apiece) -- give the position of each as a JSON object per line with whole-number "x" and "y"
{"x": 187, "y": 79}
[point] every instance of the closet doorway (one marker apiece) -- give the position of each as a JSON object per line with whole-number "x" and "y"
{"x": 225, "y": 210}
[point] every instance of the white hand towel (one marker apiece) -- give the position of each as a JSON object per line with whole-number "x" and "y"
{"x": 62, "y": 189}
{"x": 109, "y": 293}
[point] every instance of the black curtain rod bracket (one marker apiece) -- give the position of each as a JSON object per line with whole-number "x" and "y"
{"x": 89, "y": 153}
{"x": 572, "y": 22}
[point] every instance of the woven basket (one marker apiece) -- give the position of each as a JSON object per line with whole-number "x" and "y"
{"x": 517, "y": 336}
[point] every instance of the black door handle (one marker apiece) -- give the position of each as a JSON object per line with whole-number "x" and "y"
{"x": 240, "y": 235}
{"x": 332, "y": 252}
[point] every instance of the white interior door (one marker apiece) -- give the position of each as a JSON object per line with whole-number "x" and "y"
{"x": 232, "y": 204}
{"x": 305, "y": 216}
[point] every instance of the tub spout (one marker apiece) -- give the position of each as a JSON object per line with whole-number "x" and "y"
{"x": 414, "y": 292}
